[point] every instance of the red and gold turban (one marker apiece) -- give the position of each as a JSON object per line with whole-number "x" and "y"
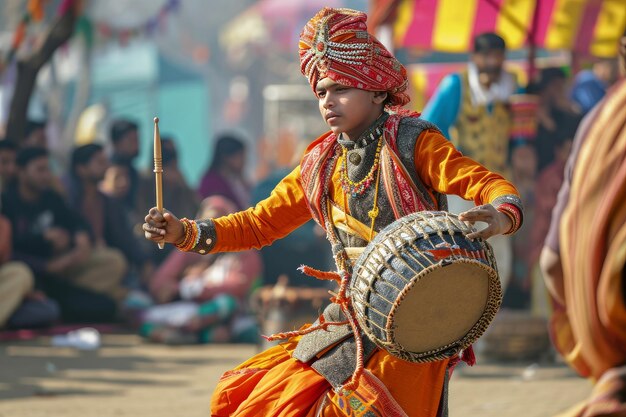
{"x": 335, "y": 44}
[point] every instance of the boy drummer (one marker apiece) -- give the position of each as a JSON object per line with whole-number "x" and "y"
{"x": 376, "y": 164}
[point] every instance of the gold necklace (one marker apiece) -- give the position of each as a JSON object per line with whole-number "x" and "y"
{"x": 357, "y": 188}
{"x": 374, "y": 212}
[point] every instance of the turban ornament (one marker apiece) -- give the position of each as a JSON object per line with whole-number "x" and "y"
{"x": 335, "y": 44}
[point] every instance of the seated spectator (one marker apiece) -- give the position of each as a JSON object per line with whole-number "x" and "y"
{"x": 225, "y": 175}
{"x": 105, "y": 216}
{"x": 523, "y": 163}
{"x": 304, "y": 246}
{"x": 35, "y": 135}
{"x": 213, "y": 291}
{"x": 591, "y": 85}
{"x": 53, "y": 240}
{"x": 116, "y": 182}
{"x": 555, "y": 109}
{"x": 178, "y": 196}
{"x": 20, "y": 305}
{"x": 125, "y": 141}
{"x": 8, "y": 169}
{"x": 548, "y": 184}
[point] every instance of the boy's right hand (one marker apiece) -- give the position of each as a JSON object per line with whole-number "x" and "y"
{"x": 163, "y": 227}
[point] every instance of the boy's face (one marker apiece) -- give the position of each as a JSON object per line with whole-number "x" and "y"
{"x": 346, "y": 109}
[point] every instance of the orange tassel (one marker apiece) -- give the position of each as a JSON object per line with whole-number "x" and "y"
{"x": 286, "y": 335}
{"x": 316, "y": 273}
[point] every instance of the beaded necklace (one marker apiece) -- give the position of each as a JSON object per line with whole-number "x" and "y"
{"x": 356, "y": 189}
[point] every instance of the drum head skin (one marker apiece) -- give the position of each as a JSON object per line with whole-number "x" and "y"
{"x": 441, "y": 308}
{"x": 422, "y": 291}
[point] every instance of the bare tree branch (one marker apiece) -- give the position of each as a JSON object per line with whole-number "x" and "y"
{"x": 28, "y": 69}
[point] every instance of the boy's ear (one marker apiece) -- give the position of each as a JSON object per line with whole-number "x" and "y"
{"x": 380, "y": 97}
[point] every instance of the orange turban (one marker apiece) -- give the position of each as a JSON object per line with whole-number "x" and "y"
{"x": 335, "y": 44}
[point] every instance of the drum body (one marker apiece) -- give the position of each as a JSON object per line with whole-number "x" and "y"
{"x": 423, "y": 291}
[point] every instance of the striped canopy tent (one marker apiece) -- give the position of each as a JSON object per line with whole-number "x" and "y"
{"x": 588, "y": 27}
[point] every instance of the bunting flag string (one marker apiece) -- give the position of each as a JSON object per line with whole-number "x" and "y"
{"x": 35, "y": 12}
{"x": 105, "y": 31}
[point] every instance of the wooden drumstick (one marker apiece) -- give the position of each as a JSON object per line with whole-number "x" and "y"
{"x": 158, "y": 170}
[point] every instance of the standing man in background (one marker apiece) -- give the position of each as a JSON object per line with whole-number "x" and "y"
{"x": 471, "y": 109}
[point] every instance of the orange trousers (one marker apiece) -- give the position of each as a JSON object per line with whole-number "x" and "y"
{"x": 273, "y": 384}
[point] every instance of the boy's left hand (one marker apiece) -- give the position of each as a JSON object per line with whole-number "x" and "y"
{"x": 497, "y": 223}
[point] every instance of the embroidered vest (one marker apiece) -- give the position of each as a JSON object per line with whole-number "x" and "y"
{"x": 403, "y": 189}
{"x": 480, "y": 134}
{"x": 404, "y": 192}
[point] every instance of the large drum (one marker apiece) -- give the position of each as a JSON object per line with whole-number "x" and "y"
{"x": 423, "y": 291}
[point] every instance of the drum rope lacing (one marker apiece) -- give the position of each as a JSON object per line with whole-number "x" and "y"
{"x": 430, "y": 222}
{"x": 342, "y": 298}
{"x": 342, "y": 277}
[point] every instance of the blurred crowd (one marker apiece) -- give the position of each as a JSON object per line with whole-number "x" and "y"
{"x": 537, "y": 165}
{"x": 525, "y": 133}
{"x": 72, "y": 248}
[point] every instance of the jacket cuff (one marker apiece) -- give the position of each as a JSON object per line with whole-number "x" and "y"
{"x": 511, "y": 205}
{"x": 205, "y": 241}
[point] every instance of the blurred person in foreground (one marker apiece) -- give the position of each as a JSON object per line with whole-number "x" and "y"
{"x": 360, "y": 89}
{"x": 205, "y": 299}
{"x": 54, "y": 241}
{"x": 584, "y": 258}
{"x": 471, "y": 109}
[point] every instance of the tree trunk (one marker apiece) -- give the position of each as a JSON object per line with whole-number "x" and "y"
{"x": 27, "y": 70}
{"x": 79, "y": 103}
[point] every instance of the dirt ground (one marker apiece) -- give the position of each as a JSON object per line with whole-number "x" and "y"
{"x": 127, "y": 377}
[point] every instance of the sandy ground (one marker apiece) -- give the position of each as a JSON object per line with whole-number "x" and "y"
{"x": 127, "y": 377}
